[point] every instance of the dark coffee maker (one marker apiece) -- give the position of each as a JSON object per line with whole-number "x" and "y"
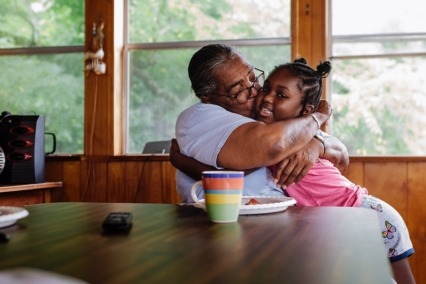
{"x": 22, "y": 153}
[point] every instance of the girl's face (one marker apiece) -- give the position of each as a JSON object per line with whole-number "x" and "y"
{"x": 280, "y": 98}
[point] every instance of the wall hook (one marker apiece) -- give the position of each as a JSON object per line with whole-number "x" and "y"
{"x": 93, "y": 57}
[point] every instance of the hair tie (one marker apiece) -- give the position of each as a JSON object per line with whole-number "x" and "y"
{"x": 323, "y": 69}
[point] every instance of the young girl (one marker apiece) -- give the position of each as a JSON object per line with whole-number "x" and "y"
{"x": 294, "y": 89}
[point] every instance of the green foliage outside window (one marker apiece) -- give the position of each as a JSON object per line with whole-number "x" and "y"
{"x": 378, "y": 102}
{"x": 159, "y": 85}
{"x": 379, "y": 105}
{"x": 378, "y": 82}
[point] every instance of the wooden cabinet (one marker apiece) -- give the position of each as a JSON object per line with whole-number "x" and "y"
{"x": 25, "y": 194}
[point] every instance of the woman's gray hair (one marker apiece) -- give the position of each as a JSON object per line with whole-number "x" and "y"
{"x": 205, "y": 63}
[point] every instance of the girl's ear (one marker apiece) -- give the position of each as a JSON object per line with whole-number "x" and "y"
{"x": 308, "y": 109}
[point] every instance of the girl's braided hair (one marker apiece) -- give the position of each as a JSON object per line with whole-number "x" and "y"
{"x": 310, "y": 84}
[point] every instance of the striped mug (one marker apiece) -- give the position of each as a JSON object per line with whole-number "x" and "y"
{"x": 222, "y": 192}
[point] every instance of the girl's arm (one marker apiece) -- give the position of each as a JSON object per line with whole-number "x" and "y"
{"x": 190, "y": 166}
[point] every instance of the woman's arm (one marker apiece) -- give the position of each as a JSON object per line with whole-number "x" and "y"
{"x": 290, "y": 170}
{"x": 336, "y": 152}
{"x": 255, "y": 144}
{"x": 293, "y": 168}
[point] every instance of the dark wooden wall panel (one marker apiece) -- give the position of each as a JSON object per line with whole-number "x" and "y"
{"x": 133, "y": 181}
{"x": 416, "y": 219}
{"x": 355, "y": 173}
{"x": 72, "y": 181}
{"x": 55, "y": 172}
{"x": 150, "y": 189}
{"x": 388, "y": 181}
{"x": 116, "y": 184}
{"x": 169, "y": 183}
{"x": 94, "y": 176}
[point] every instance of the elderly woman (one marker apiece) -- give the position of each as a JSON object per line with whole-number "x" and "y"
{"x": 220, "y": 132}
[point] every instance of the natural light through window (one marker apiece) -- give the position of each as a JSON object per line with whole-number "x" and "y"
{"x": 379, "y": 87}
{"x": 164, "y": 35}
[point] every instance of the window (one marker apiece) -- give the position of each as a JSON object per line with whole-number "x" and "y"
{"x": 163, "y": 35}
{"x": 378, "y": 82}
{"x": 41, "y": 65}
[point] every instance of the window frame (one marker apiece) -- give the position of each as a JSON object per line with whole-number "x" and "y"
{"x": 378, "y": 38}
{"x": 370, "y": 38}
{"x": 310, "y": 23}
{"x": 129, "y": 47}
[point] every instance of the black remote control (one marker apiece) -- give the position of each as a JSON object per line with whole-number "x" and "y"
{"x": 117, "y": 222}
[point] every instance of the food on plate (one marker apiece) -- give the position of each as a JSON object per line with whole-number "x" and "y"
{"x": 252, "y": 201}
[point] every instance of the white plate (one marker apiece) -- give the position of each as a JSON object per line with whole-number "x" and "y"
{"x": 9, "y": 215}
{"x": 267, "y": 204}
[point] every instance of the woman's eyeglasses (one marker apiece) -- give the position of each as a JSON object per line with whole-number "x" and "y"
{"x": 246, "y": 94}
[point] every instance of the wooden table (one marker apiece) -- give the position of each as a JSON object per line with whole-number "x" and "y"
{"x": 25, "y": 194}
{"x": 177, "y": 244}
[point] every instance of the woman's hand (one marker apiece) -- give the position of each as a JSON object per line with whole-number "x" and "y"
{"x": 324, "y": 108}
{"x": 295, "y": 167}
